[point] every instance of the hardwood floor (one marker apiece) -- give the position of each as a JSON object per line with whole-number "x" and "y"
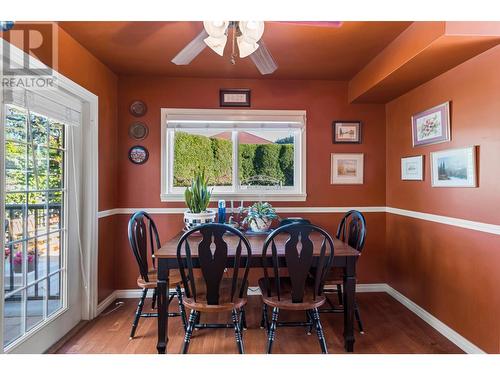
{"x": 390, "y": 328}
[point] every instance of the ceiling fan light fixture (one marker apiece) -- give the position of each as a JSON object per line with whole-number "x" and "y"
{"x": 246, "y": 47}
{"x": 216, "y": 44}
{"x": 251, "y": 32}
{"x": 252, "y": 29}
{"x": 216, "y": 29}
{"x": 217, "y": 37}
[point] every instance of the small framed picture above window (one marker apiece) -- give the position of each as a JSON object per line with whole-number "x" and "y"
{"x": 234, "y": 97}
{"x": 412, "y": 168}
{"x": 346, "y": 131}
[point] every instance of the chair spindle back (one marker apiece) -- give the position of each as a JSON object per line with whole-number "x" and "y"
{"x": 214, "y": 256}
{"x": 352, "y": 229}
{"x": 299, "y": 259}
{"x": 143, "y": 234}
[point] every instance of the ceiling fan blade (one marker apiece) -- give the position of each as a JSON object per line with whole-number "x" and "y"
{"x": 263, "y": 59}
{"x": 193, "y": 49}
{"x": 334, "y": 24}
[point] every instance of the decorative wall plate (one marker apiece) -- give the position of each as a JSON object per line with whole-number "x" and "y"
{"x": 138, "y": 131}
{"x": 138, "y": 108}
{"x": 138, "y": 154}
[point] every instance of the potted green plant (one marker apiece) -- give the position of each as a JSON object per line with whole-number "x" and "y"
{"x": 260, "y": 216}
{"x": 197, "y": 198}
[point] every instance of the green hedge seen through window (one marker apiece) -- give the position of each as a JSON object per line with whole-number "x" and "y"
{"x": 192, "y": 151}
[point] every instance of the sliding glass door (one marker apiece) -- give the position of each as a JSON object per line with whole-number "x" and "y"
{"x": 35, "y": 230}
{"x": 41, "y": 255}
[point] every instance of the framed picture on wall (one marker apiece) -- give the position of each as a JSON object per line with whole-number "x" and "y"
{"x": 431, "y": 126}
{"x": 454, "y": 168}
{"x": 346, "y": 131}
{"x": 346, "y": 169}
{"x": 412, "y": 168}
{"x": 234, "y": 97}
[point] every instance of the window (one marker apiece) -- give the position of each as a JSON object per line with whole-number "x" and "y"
{"x": 246, "y": 154}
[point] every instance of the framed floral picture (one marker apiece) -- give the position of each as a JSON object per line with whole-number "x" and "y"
{"x": 346, "y": 169}
{"x": 412, "y": 168}
{"x": 454, "y": 168}
{"x": 431, "y": 126}
{"x": 346, "y": 131}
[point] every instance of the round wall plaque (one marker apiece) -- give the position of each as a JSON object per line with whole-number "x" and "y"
{"x": 138, "y": 154}
{"x": 138, "y": 108}
{"x": 138, "y": 131}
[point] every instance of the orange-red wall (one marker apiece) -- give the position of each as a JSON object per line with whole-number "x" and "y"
{"x": 76, "y": 63}
{"x": 324, "y": 102}
{"x": 450, "y": 272}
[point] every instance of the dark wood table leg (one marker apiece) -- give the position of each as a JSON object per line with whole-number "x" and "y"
{"x": 162, "y": 302}
{"x": 349, "y": 295}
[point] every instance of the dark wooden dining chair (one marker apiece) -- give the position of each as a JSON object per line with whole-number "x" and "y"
{"x": 144, "y": 241}
{"x": 293, "y": 220}
{"x": 352, "y": 230}
{"x": 298, "y": 291}
{"x": 220, "y": 249}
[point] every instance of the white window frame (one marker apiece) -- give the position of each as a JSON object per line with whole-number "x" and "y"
{"x": 227, "y": 119}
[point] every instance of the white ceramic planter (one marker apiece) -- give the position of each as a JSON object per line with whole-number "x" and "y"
{"x": 193, "y": 220}
{"x": 260, "y": 225}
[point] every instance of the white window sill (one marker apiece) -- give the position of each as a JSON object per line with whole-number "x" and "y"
{"x": 268, "y": 197}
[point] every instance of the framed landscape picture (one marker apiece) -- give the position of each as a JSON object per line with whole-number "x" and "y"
{"x": 454, "y": 168}
{"x": 412, "y": 168}
{"x": 346, "y": 169}
{"x": 431, "y": 126}
{"x": 346, "y": 131}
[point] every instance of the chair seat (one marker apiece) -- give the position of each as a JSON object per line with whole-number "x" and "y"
{"x": 225, "y": 303}
{"x": 285, "y": 301}
{"x": 174, "y": 279}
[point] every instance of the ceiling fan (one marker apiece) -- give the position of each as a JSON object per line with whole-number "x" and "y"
{"x": 246, "y": 34}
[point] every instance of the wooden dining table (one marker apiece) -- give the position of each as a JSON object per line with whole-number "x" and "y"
{"x": 344, "y": 256}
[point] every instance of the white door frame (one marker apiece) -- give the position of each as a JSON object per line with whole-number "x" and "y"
{"x": 2, "y": 208}
{"x": 89, "y": 207}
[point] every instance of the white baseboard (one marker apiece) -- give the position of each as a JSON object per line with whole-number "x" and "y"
{"x": 121, "y": 293}
{"x": 105, "y": 303}
{"x": 434, "y": 322}
{"x": 132, "y": 293}
{"x": 367, "y": 288}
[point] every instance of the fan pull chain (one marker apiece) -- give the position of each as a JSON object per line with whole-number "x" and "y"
{"x": 233, "y": 54}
